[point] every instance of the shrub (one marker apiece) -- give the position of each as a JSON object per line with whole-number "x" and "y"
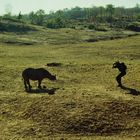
{"x": 91, "y": 26}
{"x": 55, "y": 23}
{"x": 135, "y": 26}
{"x": 15, "y": 27}
{"x": 101, "y": 29}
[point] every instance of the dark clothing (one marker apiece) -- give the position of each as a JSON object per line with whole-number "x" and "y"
{"x": 122, "y": 68}
{"x": 118, "y": 78}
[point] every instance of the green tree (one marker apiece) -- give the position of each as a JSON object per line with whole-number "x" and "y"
{"x": 32, "y": 17}
{"x": 19, "y": 16}
{"x": 101, "y": 13}
{"x": 110, "y": 12}
{"x": 94, "y": 13}
{"x": 39, "y": 17}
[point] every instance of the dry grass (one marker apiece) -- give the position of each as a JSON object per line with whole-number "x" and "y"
{"x": 85, "y": 104}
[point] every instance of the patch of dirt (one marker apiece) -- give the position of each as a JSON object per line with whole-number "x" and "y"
{"x": 106, "y": 118}
{"x": 54, "y": 64}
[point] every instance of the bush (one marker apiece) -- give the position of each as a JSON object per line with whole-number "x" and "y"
{"x": 73, "y": 27}
{"x": 51, "y": 24}
{"x": 55, "y": 23}
{"x": 15, "y": 27}
{"x": 135, "y": 26}
{"x": 101, "y": 29}
{"x": 91, "y": 26}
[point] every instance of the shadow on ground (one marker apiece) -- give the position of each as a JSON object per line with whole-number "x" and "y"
{"x": 131, "y": 90}
{"x": 39, "y": 91}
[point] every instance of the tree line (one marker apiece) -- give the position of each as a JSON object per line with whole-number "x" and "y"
{"x": 111, "y": 15}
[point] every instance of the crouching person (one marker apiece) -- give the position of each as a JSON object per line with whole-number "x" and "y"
{"x": 122, "y": 68}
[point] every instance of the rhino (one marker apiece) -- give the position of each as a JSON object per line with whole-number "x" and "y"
{"x": 37, "y": 74}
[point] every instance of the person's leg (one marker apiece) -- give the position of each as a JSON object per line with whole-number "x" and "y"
{"x": 118, "y": 78}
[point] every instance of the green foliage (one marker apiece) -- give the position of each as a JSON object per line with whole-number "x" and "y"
{"x": 11, "y": 19}
{"x": 19, "y": 16}
{"x": 135, "y": 26}
{"x": 110, "y": 10}
{"x": 37, "y": 17}
{"x": 12, "y": 26}
{"x": 97, "y": 27}
{"x": 92, "y": 15}
{"x": 55, "y": 23}
{"x": 91, "y": 26}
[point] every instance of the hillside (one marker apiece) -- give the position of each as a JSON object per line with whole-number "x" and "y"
{"x": 19, "y": 33}
{"x": 84, "y": 102}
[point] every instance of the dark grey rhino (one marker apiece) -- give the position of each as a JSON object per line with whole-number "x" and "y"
{"x": 36, "y": 75}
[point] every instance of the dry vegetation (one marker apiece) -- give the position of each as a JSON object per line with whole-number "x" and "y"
{"x": 84, "y": 102}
